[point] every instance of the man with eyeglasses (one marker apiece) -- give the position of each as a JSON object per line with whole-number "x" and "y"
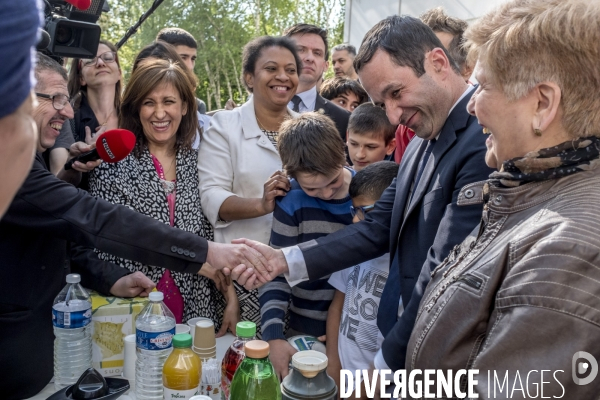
{"x": 47, "y": 214}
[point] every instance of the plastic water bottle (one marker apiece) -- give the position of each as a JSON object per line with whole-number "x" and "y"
{"x": 71, "y": 316}
{"x": 155, "y": 327}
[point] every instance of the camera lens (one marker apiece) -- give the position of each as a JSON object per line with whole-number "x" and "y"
{"x": 64, "y": 36}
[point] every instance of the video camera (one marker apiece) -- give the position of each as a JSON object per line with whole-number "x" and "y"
{"x": 71, "y": 29}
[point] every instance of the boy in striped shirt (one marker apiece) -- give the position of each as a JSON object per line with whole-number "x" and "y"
{"x": 318, "y": 203}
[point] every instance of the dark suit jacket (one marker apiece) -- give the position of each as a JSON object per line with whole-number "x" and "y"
{"x": 339, "y": 116}
{"x": 45, "y": 214}
{"x": 431, "y": 226}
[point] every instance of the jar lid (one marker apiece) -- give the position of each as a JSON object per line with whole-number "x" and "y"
{"x": 245, "y": 329}
{"x": 309, "y": 362}
{"x": 182, "y": 340}
{"x": 256, "y": 349}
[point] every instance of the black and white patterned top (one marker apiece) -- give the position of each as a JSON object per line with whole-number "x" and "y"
{"x": 271, "y": 135}
{"x": 135, "y": 183}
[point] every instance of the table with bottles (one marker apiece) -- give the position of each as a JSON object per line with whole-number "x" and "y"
{"x": 223, "y": 344}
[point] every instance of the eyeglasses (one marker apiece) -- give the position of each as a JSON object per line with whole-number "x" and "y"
{"x": 108, "y": 57}
{"x": 360, "y": 211}
{"x": 59, "y": 101}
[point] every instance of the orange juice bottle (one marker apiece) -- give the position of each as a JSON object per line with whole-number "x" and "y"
{"x": 182, "y": 370}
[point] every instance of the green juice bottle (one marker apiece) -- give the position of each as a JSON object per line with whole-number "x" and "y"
{"x": 255, "y": 378}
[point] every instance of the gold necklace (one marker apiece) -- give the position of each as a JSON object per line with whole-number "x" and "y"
{"x": 107, "y": 118}
{"x": 261, "y": 126}
{"x": 170, "y": 166}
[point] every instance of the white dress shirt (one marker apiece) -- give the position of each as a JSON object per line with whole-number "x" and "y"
{"x": 309, "y": 99}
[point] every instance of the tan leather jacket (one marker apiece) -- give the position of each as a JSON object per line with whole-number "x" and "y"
{"x": 521, "y": 294}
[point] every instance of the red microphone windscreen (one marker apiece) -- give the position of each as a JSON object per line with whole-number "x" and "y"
{"x": 80, "y": 4}
{"x": 115, "y": 145}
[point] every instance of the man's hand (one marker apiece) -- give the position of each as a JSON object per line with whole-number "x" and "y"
{"x": 217, "y": 276}
{"x": 228, "y": 257}
{"x": 274, "y": 258}
{"x": 79, "y": 148}
{"x": 280, "y": 356}
{"x": 133, "y": 285}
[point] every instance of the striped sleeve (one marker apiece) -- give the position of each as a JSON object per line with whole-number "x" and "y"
{"x": 274, "y": 299}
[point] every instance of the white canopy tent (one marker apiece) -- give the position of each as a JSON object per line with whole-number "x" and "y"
{"x": 361, "y": 15}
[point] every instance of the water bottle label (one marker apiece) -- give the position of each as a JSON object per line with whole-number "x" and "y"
{"x": 154, "y": 340}
{"x": 71, "y": 320}
{"x": 172, "y": 394}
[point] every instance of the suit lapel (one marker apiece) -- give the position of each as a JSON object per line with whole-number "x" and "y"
{"x": 320, "y": 103}
{"x": 457, "y": 120}
{"x": 251, "y": 129}
{"x": 406, "y": 173}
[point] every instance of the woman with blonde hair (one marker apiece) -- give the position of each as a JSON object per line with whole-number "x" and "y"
{"x": 522, "y": 293}
{"x": 160, "y": 179}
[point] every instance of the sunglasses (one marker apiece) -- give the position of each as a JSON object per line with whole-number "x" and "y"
{"x": 361, "y": 211}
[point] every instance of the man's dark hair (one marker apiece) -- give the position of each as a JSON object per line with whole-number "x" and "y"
{"x": 45, "y": 63}
{"x": 346, "y": 46}
{"x": 177, "y": 37}
{"x": 310, "y": 144}
{"x": 335, "y": 87}
{"x": 372, "y": 180}
{"x": 439, "y": 21}
{"x": 369, "y": 119}
{"x": 164, "y": 51}
{"x": 303, "y": 29}
{"x": 253, "y": 50}
{"x": 405, "y": 39}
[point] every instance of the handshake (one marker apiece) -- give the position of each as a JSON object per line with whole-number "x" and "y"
{"x": 250, "y": 263}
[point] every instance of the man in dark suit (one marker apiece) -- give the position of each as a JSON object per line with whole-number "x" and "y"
{"x": 44, "y": 216}
{"x": 405, "y": 69}
{"x": 313, "y": 49}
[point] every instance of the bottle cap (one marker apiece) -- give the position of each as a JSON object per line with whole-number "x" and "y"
{"x": 245, "y": 329}
{"x": 256, "y": 349}
{"x": 156, "y": 296}
{"x": 182, "y": 340}
{"x": 73, "y": 278}
{"x": 309, "y": 362}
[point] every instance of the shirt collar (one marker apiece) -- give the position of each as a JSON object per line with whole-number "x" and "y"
{"x": 467, "y": 91}
{"x": 309, "y": 97}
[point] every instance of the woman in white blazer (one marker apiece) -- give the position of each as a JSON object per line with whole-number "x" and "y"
{"x": 239, "y": 166}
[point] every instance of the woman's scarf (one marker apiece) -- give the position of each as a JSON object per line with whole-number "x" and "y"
{"x": 554, "y": 162}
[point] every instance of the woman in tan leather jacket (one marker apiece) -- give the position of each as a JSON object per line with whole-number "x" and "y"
{"x": 519, "y": 300}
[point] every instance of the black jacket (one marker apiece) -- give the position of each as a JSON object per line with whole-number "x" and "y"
{"x": 44, "y": 216}
{"x": 339, "y": 116}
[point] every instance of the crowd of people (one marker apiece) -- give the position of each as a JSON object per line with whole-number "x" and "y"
{"x": 431, "y": 207}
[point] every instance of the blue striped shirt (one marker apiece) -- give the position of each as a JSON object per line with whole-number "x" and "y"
{"x": 298, "y": 218}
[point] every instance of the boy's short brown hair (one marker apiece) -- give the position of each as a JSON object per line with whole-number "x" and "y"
{"x": 310, "y": 144}
{"x": 369, "y": 119}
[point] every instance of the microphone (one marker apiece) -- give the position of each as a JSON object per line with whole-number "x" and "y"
{"x": 111, "y": 146}
{"x": 80, "y": 4}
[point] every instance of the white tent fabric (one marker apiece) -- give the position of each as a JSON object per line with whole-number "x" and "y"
{"x": 361, "y": 15}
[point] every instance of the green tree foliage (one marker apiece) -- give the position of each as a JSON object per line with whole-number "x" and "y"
{"x": 221, "y": 28}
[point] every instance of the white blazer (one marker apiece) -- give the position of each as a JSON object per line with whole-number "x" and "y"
{"x": 236, "y": 159}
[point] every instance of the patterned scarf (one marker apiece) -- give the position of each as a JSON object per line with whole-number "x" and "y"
{"x": 554, "y": 162}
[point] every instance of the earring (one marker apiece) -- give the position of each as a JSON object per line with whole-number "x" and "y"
{"x": 537, "y": 131}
